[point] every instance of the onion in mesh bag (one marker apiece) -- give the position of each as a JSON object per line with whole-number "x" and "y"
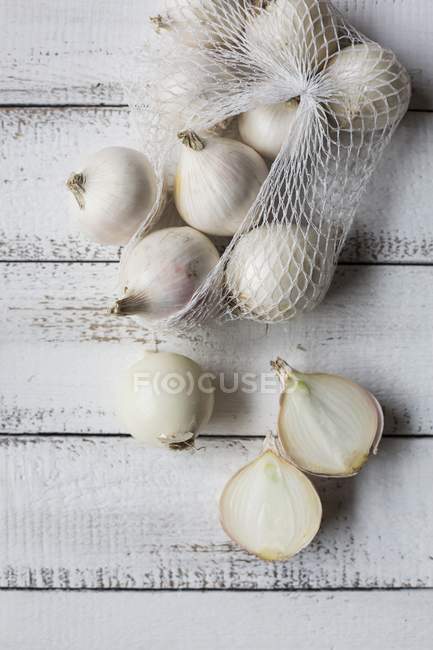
{"x": 266, "y": 128}
{"x": 265, "y": 53}
{"x": 275, "y": 270}
{"x": 371, "y": 88}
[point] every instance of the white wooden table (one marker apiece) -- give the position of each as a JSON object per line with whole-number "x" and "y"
{"x": 97, "y": 535}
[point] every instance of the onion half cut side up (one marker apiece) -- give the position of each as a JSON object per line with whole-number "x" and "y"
{"x": 327, "y": 425}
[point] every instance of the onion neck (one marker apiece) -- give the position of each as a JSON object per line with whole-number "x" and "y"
{"x": 288, "y": 377}
{"x": 293, "y": 103}
{"x": 182, "y": 444}
{"x": 192, "y": 140}
{"x": 76, "y": 184}
{"x": 271, "y": 443}
{"x": 130, "y": 305}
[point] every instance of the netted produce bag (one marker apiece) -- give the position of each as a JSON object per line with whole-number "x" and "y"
{"x": 265, "y": 121}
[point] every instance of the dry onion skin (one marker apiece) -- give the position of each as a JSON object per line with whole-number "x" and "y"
{"x": 270, "y": 508}
{"x": 327, "y": 425}
{"x": 273, "y": 270}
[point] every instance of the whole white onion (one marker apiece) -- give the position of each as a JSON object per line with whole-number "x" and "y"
{"x": 163, "y": 271}
{"x": 267, "y": 128}
{"x": 164, "y": 399}
{"x": 275, "y": 271}
{"x": 371, "y": 89}
{"x": 113, "y": 193}
{"x": 217, "y": 182}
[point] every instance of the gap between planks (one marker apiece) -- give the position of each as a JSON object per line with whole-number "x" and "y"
{"x": 60, "y": 106}
{"x": 212, "y": 590}
{"x": 204, "y": 437}
{"x": 108, "y": 261}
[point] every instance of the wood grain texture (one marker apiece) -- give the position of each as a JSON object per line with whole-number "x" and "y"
{"x": 40, "y": 147}
{"x": 107, "y": 513}
{"x": 75, "y": 52}
{"x": 215, "y": 621}
{"x": 62, "y": 352}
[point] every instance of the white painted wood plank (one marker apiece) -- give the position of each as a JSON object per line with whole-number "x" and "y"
{"x": 107, "y": 513}
{"x": 39, "y": 148}
{"x": 69, "y": 52}
{"x": 72, "y": 52}
{"x": 216, "y": 621}
{"x": 61, "y": 351}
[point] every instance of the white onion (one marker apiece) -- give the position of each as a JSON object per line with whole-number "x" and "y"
{"x": 113, "y": 193}
{"x": 270, "y": 508}
{"x": 163, "y": 271}
{"x": 276, "y": 270}
{"x": 303, "y": 32}
{"x": 327, "y": 425}
{"x": 267, "y": 128}
{"x": 371, "y": 88}
{"x": 217, "y": 182}
{"x": 164, "y": 399}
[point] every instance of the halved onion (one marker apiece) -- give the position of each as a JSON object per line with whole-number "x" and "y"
{"x": 327, "y": 425}
{"x": 270, "y": 508}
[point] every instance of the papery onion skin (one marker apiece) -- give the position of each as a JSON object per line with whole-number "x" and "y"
{"x": 163, "y": 272}
{"x": 164, "y": 399}
{"x": 246, "y": 510}
{"x": 113, "y": 193}
{"x": 334, "y": 435}
{"x": 372, "y": 89}
{"x": 217, "y": 182}
{"x": 380, "y": 424}
{"x": 267, "y": 128}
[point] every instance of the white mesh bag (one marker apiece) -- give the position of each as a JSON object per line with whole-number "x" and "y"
{"x": 316, "y": 98}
